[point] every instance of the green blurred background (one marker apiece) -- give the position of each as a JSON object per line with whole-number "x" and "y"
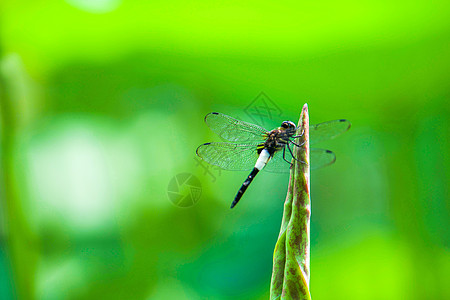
{"x": 102, "y": 105}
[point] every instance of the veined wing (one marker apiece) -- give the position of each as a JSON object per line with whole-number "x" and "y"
{"x": 234, "y": 130}
{"x": 277, "y": 164}
{"x": 328, "y": 130}
{"x": 229, "y": 156}
{"x": 319, "y": 158}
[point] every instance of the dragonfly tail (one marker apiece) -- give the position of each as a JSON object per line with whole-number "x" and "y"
{"x": 244, "y": 187}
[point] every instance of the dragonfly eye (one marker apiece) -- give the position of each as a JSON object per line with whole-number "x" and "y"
{"x": 288, "y": 124}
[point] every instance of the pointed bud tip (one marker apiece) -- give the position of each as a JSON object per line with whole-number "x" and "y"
{"x": 305, "y": 108}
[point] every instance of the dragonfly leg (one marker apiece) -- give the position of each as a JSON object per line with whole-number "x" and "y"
{"x": 297, "y": 144}
{"x": 284, "y": 157}
{"x": 296, "y": 136}
{"x": 289, "y": 148}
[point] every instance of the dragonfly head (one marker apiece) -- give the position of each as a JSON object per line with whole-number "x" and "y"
{"x": 288, "y": 125}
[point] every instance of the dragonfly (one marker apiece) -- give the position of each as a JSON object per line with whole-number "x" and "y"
{"x": 251, "y": 147}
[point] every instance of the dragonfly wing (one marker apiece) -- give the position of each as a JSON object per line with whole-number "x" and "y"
{"x": 328, "y": 130}
{"x": 277, "y": 164}
{"x": 321, "y": 158}
{"x": 234, "y": 130}
{"x": 229, "y": 156}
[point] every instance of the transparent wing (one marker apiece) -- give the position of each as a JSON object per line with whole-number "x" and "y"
{"x": 277, "y": 164}
{"x": 229, "y": 156}
{"x": 234, "y": 130}
{"x": 319, "y": 158}
{"x": 327, "y": 130}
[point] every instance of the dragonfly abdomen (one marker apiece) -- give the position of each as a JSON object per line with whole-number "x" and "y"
{"x": 263, "y": 158}
{"x": 260, "y": 164}
{"x": 244, "y": 187}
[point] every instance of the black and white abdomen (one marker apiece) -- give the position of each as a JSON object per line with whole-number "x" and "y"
{"x": 263, "y": 158}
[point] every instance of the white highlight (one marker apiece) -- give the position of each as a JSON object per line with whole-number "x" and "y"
{"x": 96, "y": 6}
{"x": 262, "y": 159}
{"x": 79, "y": 175}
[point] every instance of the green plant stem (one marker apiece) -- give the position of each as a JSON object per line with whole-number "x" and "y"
{"x": 290, "y": 275}
{"x": 19, "y": 239}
